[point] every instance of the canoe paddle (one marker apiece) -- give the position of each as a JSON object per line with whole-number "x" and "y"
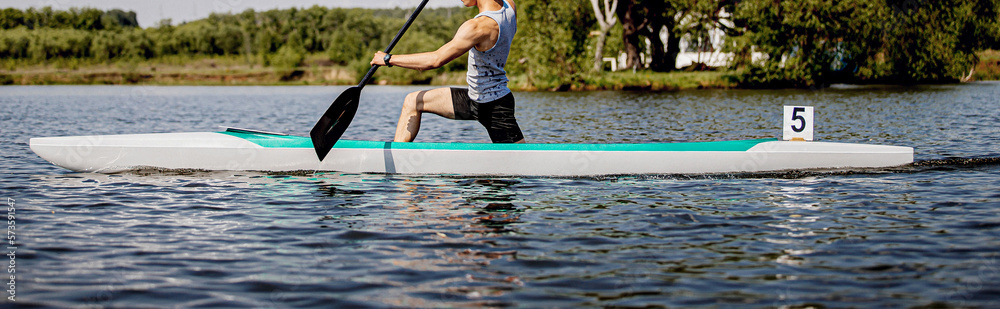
{"x": 334, "y": 122}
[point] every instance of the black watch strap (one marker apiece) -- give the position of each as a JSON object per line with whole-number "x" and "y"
{"x": 386, "y": 60}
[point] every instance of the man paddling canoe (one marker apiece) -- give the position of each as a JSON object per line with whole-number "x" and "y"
{"x": 487, "y": 38}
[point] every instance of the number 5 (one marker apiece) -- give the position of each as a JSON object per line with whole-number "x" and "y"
{"x": 802, "y": 120}
{"x": 797, "y": 123}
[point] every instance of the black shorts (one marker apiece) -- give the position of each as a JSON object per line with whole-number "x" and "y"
{"x": 496, "y": 116}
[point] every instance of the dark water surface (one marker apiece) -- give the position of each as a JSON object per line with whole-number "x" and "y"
{"x": 927, "y": 234}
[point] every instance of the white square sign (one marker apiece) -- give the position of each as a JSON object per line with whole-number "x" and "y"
{"x": 798, "y": 123}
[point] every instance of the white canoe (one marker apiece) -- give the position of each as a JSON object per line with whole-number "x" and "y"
{"x": 238, "y": 150}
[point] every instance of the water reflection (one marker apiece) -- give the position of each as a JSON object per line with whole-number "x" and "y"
{"x": 433, "y": 235}
{"x": 799, "y": 222}
{"x": 455, "y": 220}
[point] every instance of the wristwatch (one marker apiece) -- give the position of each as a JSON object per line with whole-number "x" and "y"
{"x": 386, "y": 60}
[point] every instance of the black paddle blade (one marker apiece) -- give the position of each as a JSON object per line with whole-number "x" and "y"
{"x": 334, "y": 122}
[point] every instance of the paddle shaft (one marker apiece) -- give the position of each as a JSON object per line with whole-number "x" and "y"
{"x": 338, "y": 116}
{"x": 393, "y": 43}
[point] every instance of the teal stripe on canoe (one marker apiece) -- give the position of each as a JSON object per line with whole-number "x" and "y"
{"x": 272, "y": 140}
{"x": 288, "y": 141}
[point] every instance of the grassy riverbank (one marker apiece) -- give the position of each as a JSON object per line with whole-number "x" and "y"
{"x": 231, "y": 71}
{"x": 216, "y": 70}
{"x": 988, "y": 67}
{"x": 627, "y": 80}
{"x": 237, "y": 70}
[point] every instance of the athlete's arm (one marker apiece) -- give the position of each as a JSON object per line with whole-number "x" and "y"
{"x": 472, "y": 33}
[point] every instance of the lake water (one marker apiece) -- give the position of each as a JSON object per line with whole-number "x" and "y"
{"x": 927, "y": 234}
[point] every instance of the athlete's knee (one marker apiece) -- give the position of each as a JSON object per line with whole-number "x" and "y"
{"x": 412, "y": 102}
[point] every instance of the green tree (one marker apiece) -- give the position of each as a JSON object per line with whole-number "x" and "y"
{"x": 227, "y": 40}
{"x": 87, "y": 19}
{"x": 164, "y": 38}
{"x": 116, "y": 18}
{"x": 291, "y": 54}
{"x": 818, "y": 42}
{"x": 14, "y": 43}
{"x": 11, "y": 18}
{"x": 936, "y": 41}
{"x": 59, "y": 43}
{"x": 346, "y": 45}
{"x": 131, "y": 44}
{"x": 550, "y": 48}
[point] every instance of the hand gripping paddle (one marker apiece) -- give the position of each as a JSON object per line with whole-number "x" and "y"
{"x": 334, "y": 122}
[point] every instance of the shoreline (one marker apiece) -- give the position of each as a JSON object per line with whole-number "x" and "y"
{"x": 340, "y": 76}
{"x": 237, "y": 71}
{"x": 336, "y": 76}
{"x": 642, "y": 81}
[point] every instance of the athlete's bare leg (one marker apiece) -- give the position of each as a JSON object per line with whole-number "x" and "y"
{"x": 437, "y": 101}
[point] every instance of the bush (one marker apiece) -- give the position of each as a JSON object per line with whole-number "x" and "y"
{"x": 288, "y": 57}
{"x": 346, "y": 46}
{"x": 59, "y": 43}
{"x": 14, "y": 43}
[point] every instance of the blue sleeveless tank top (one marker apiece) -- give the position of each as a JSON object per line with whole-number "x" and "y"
{"x": 487, "y": 77}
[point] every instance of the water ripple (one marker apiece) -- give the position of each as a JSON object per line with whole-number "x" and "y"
{"x": 919, "y": 235}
